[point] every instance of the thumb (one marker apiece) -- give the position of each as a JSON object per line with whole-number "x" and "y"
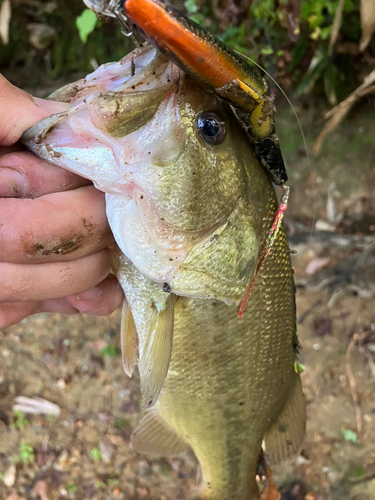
{"x": 18, "y": 112}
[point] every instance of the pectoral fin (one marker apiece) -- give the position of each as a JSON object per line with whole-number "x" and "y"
{"x": 129, "y": 340}
{"x": 285, "y": 437}
{"x": 154, "y": 362}
{"x": 154, "y": 437}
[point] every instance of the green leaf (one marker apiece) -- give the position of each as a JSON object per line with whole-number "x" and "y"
{"x": 110, "y": 351}
{"x": 99, "y": 484}
{"x": 316, "y": 68}
{"x": 299, "y": 367}
{"x": 191, "y": 6}
{"x": 71, "y": 487}
{"x": 355, "y": 471}
{"x": 349, "y": 435}
{"x": 267, "y": 51}
{"x": 86, "y": 23}
{"x": 120, "y": 423}
{"x": 96, "y": 454}
{"x": 26, "y": 453}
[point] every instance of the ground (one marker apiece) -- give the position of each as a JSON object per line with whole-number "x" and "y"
{"x": 74, "y": 362}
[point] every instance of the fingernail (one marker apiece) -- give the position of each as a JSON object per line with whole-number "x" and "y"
{"x": 12, "y": 184}
{"x": 91, "y": 294}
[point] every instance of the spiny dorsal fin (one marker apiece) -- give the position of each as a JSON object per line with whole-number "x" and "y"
{"x": 284, "y": 438}
{"x": 129, "y": 340}
{"x": 154, "y": 437}
{"x": 154, "y": 362}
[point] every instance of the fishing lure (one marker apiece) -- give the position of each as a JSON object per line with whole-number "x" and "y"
{"x": 209, "y": 61}
{"x": 219, "y": 69}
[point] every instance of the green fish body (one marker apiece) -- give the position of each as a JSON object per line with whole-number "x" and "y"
{"x": 190, "y": 207}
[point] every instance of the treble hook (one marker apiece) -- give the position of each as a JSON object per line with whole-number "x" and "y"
{"x": 114, "y": 9}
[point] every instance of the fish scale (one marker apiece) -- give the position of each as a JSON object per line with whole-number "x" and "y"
{"x": 221, "y": 448}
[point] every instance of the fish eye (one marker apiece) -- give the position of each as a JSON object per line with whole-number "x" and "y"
{"x": 211, "y": 128}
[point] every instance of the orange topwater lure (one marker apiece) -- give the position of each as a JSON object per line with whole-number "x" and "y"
{"x": 219, "y": 69}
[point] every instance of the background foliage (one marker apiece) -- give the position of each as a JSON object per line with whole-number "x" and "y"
{"x": 290, "y": 38}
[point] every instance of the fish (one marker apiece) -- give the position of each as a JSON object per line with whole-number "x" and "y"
{"x": 190, "y": 207}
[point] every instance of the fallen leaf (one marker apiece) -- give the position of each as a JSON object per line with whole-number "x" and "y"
{"x": 96, "y": 345}
{"x": 115, "y": 439}
{"x": 367, "y": 22}
{"x": 13, "y": 496}
{"x": 142, "y": 492}
{"x": 9, "y": 477}
{"x": 349, "y": 436}
{"x": 316, "y": 264}
{"x": 270, "y": 491}
{"x": 41, "y": 489}
{"x": 37, "y": 406}
{"x": 107, "y": 449}
{"x": 322, "y": 326}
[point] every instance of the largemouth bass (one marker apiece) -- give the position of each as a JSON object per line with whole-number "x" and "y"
{"x": 190, "y": 207}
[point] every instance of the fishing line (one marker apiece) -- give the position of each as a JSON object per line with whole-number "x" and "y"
{"x": 300, "y": 127}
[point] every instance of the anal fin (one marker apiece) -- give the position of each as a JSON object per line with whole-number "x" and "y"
{"x": 129, "y": 340}
{"x": 154, "y": 437}
{"x": 154, "y": 361}
{"x": 284, "y": 439}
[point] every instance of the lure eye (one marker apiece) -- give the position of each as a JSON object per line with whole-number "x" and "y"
{"x": 211, "y": 128}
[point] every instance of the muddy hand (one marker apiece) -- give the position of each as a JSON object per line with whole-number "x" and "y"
{"x": 53, "y": 229}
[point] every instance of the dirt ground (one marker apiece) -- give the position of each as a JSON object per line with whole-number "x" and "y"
{"x": 80, "y": 448}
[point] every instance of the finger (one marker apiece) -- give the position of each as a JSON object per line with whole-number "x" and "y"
{"x": 18, "y": 112}
{"x": 101, "y": 300}
{"x": 59, "y": 226}
{"x": 24, "y": 175}
{"x": 13, "y": 313}
{"x": 52, "y": 280}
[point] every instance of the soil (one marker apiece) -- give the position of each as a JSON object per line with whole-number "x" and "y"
{"x": 74, "y": 361}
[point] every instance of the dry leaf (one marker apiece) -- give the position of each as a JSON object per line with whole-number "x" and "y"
{"x": 5, "y": 13}
{"x": 97, "y": 345}
{"x": 13, "y": 496}
{"x": 338, "y": 113}
{"x": 37, "y": 406}
{"x": 270, "y": 491}
{"x": 336, "y": 24}
{"x": 41, "y": 490}
{"x": 316, "y": 264}
{"x": 9, "y": 477}
{"x": 367, "y": 22}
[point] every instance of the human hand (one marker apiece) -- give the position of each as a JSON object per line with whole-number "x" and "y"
{"x": 53, "y": 229}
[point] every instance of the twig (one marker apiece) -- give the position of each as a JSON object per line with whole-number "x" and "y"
{"x": 349, "y": 371}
